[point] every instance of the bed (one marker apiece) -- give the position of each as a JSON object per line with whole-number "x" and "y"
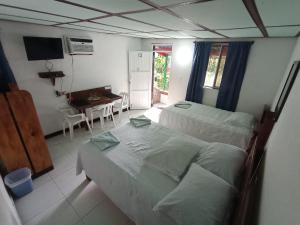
{"x": 120, "y": 173}
{"x": 209, "y": 123}
{"x": 8, "y": 212}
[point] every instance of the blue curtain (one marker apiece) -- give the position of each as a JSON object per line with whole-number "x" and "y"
{"x": 6, "y": 74}
{"x": 200, "y": 61}
{"x": 233, "y": 75}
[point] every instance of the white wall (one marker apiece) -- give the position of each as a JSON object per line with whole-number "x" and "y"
{"x": 280, "y": 199}
{"x": 108, "y": 65}
{"x": 266, "y": 65}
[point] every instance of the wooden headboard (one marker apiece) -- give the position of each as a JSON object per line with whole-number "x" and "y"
{"x": 252, "y": 167}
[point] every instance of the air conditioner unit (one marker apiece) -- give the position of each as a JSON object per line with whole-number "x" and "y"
{"x": 80, "y": 46}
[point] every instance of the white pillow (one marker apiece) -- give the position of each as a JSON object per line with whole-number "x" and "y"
{"x": 201, "y": 198}
{"x": 173, "y": 157}
{"x": 223, "y": 160}
{"x": 240, "y": 119}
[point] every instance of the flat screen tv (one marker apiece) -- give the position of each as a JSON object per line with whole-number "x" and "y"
{"x": 287, "y": 88}
{"x": 43, "y": 48}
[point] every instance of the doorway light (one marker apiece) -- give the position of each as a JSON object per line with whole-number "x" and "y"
{"x": 184, "y": 55}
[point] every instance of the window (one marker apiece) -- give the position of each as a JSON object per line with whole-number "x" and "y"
{"x": 216, "y": 64}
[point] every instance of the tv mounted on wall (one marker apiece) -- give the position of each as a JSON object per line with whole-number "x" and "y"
{"x": 287, "y": 88}
{"x": 43, "y": 48}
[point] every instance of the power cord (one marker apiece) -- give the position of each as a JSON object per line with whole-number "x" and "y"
{"x": 72, "y": 81}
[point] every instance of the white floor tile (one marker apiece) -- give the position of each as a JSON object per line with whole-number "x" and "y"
{"x": 68, "y": 182}
{"x": 59, "y": 150}
{"x": 105, "y": 213}
{"x": 130, "y": 223}
{"x": 56, "y": 140}
{"x": 60, "y": 213}
{"x": 85, "y": 197}
{"x": 42, "y": 180}
{"x": 38, "y": 201}
{"x": 63, "y": 164}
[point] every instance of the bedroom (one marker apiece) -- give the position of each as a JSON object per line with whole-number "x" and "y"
{"x": 122, "y": 33}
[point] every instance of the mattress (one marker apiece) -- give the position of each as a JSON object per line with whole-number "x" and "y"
{"x": 8, "y": 212}
{"x": 208, "y": 124}
{"x": 119, "y": 171}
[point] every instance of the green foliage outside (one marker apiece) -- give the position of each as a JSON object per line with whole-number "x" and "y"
{"x": 161, "y": 75}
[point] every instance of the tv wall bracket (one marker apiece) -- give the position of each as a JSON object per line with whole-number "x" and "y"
{"x": 51, "y": 75}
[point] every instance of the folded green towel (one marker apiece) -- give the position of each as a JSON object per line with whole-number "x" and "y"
{"x": 183, "y": 105}
{"x": 140, "y": 121}
{"x": 105, "y": 140}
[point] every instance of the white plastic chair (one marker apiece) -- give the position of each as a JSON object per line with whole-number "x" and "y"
{"x": 124, "y": 104}
{"x": 72, "y": 118}
{"x": 103, "y": 111}
{"x": 97, "y": 109}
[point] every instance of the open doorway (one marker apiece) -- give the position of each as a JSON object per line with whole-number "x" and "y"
{"x": 162, "y": 58}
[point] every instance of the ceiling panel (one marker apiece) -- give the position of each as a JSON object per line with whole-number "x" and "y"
{"x": 145, "y": 35}
{"x": 279, "y": 12}
{"x": 283, "y": 31}
{"x": 117, "y": 21}
{"x": 102, "y": 27}
{"x": 26, "y": 20}
{"x": 71, "y": 26}
{"x": 217, "y": 14}
{"x": 163, "y": 19}
{"x": 174, "y": 34}
{"x": 249, "y": 32}
{"x": 52, "y": 6}
{"x": 133, "y": 35}
{"x": 113, "y": 5}
{"x": 34, "y": 15}
{"x": 168, "y": 2}
{"x": 202, "y": 34}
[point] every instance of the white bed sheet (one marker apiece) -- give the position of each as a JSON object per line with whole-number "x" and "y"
{"x": 206, "y": 123}
{"x": 8, "y": 212}
{"x": 134, "y": 188}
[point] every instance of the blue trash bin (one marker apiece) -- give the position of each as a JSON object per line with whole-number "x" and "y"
{"x": 19, "y": 182}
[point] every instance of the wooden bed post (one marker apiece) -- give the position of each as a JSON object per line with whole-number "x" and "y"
{"x": 252, "y": 169}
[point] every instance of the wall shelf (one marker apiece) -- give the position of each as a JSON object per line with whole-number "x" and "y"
{"x": 51, "y": 75}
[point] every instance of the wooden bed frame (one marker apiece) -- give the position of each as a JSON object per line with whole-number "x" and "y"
{"x": 243, "y": 214}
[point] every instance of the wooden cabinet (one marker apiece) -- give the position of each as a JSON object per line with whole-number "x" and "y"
{"x": 22, "y": 142}
{"x": 12, "y": 150}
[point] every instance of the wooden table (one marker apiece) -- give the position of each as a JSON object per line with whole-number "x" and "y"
{"x": 82, "y": 100}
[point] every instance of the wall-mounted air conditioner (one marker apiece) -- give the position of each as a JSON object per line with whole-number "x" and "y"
{"x": 80, "y": 46}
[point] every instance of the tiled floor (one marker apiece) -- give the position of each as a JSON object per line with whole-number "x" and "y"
{"x": 62, "y": 198}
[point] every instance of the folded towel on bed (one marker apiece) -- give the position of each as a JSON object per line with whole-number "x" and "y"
{"x": 140, "y": 121}
{"x": 105, "y": 140}
{"x": 183, "y": 105}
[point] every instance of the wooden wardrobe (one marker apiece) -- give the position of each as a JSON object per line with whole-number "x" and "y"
{"x": 22, "y": 143}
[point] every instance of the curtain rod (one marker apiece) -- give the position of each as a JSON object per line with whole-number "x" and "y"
{"x": 223, "y": 42}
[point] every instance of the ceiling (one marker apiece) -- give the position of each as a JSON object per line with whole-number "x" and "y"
{"x": 162, "y": 18}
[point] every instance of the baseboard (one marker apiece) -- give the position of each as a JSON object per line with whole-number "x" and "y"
{"x": 36, "y": 175}
{"x": 60, "y": 132}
